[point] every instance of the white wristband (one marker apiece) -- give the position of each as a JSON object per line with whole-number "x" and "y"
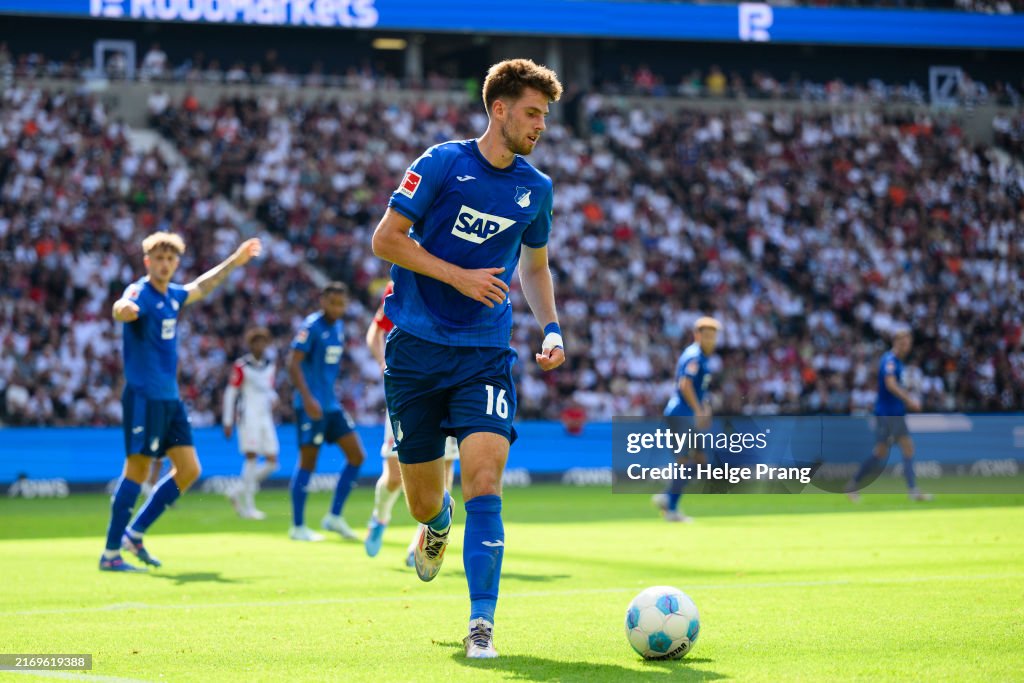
{"x": 551, "y": 341}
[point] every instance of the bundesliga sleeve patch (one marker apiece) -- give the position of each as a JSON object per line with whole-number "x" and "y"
{"x": 133, "y": 292}
{"x": 692, "y": 367}
{"x": 302, "y": 336}
{"x": 410, "y": 183}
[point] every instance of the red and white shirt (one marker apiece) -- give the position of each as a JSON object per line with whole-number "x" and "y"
{"x": 252, "y": 386}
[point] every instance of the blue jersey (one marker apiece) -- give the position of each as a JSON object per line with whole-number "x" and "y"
{"x": 151, "y": 343}
{"x": 888, "y": 403}
{"x": 321, "y": 342}
{"x": 693, "y": 364}
{"x": 469, "y": 213}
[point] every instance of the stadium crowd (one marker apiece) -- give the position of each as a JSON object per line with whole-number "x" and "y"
{"x": 75, "y": 201}
{"x": 639, "y": 79}
{"x": 808, "y": 236}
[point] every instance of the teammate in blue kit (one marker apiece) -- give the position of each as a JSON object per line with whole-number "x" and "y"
{"x": 461, "y": 220}
{"x": 155, "y": 420}
{"x": 891, "y": 407}
{"x": 313, "y": 367}
{"x": 690, "y": 400}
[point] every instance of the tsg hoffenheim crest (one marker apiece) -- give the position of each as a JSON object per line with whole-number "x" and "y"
{"x": 523, "y": 196}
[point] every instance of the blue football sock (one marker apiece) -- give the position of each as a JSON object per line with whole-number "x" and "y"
{"x": 121, "y": 511}
{"x": 482, "y": 552}
{"x": 675, "y": 487}
{"x": 865, "y": 468}
{"x": 341, "y": 491}
{"x": 443, "y": 519}
{"x": 165, "y": 493}
{"x": 673, "y": 501}
{"x": 298, "y": 488}
{"x": 908, "y": 473}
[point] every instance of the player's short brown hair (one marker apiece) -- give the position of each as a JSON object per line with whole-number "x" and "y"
{"x": 163, "y": 240}
{"x": 254, "y": 333}
{"x": 509, "y": 78}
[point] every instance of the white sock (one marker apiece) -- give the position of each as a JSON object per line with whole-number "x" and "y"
{"x": 384, "y": 501}
{"x": 266, "y": 469}
{"x": 390, "y": 498}
{"x": 378, "y": 496}
{"x": 111, "y": 554}
{"x": 250, "y": 482}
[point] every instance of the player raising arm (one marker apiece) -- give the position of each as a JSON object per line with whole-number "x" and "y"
{"x": 155, "y": 420}
{"x": 461, "y": 220}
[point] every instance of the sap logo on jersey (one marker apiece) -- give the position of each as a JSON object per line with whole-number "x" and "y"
{"x": 477, "y": 226}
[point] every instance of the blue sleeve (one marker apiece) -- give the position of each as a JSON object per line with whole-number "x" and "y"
{"x": 133, "y": 292}
{"x": 420, "y": 185}
{"x": 536, "y": 235}
{"x": 691, "y": 369}
{"x": 304, "y": 338}
{"x": 890, "y": 367}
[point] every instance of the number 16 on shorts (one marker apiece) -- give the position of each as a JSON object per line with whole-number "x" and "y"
{"x": 497, "y": 402}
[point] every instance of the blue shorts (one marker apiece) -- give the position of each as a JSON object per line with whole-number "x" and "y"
{"x": 435, "y": 391}
{"x": 334, "y": 425}
{"x": 889, "y": 428}
{"x": 151, "y": 427}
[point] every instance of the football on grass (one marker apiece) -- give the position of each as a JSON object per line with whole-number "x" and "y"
{"x": 662, "y": 623}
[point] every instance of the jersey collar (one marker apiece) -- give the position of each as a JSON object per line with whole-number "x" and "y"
{"x": 475, "y": 148}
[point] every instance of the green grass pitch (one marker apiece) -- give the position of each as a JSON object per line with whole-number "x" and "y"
{"x": 789, "y": 588}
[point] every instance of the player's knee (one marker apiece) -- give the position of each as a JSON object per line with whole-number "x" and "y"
{"x": 187, "y": 474}
{"x": 424, "y": 509}
{"x": 356, "y": 459}
{"x": 483, "y": 484}
{"x": 908, "y": 451}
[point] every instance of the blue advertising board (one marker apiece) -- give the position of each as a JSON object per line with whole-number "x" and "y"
{"x": 751, "y": 21}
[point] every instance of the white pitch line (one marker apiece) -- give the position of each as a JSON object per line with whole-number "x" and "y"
{"x": 71, "y": 676}
{"x": 535, "y": 594}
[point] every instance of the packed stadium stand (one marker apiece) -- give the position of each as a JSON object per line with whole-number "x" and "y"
{"x": 810, "y": 234}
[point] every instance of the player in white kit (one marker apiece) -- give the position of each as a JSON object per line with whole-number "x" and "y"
{"x": 389, "y": 485}
{"x": 251, "y": 394}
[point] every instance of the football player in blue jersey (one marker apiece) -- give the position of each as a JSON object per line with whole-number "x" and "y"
{"x": 155, "y": 420}
{"x": 690, "y": 400}
{"x": 313, "y": 367}
{"x": 891, "y": 407}
{"x": 462, "y": 218}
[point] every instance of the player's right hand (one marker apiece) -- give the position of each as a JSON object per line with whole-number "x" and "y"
{"x": 913, "y": 405}
{"x": 227, "y": 431}
{"x": 703, "y": 419}
{"x": 482, "y": 285}
{"x": 127, "y": 311}
{"x": 312, "y": 408}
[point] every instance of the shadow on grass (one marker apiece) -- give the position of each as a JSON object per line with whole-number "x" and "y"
{"x": 533, "y": 668}
{"x": 193, "y": 577}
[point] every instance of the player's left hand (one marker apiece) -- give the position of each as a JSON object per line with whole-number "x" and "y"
{"x": 551, "y": 359}
{"x": 227, "y": 431}
{"x": 249, "y": 249}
